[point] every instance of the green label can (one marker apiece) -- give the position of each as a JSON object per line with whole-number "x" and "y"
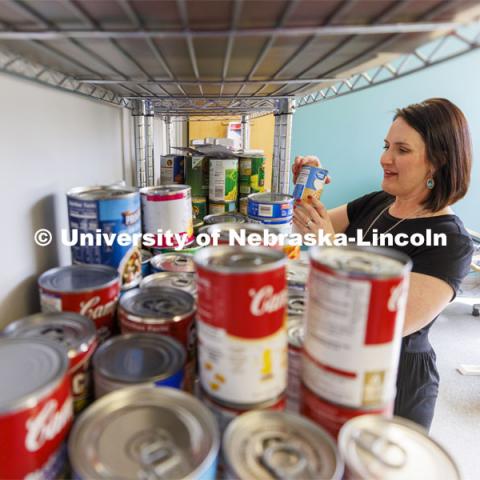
{"x": 199, "y": 207}
{"x": 223, "y": 180}
{"x": 252, "y": 174}
{"x": 196, "y": 175}
{"x": 221, "y": 207}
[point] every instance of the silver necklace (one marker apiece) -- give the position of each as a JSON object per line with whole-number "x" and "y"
{"x": 393, "y": 226}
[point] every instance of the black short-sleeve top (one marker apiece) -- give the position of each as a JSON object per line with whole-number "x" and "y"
{"x": 449, "y": 263}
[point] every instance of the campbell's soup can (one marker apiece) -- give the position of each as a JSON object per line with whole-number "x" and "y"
{"x": 90, "y": 290}
{"x": 77, "y": 335}
{"x": 182, "y": 280}
{"x": 136, "y": 359}
{"x": 35, "y": 408}
{"x": 102, "y": 210}
{"x": 270, "y": 445}
{"x": 167, "y": 215}
{"x": 145, "y": 432}
{"x": 241, "y": 323}
{"x": 332, "y": 416}
{"x": 166, "y": 311}
{"x": 355, "y": 314}
{"x": 296, "y": 333}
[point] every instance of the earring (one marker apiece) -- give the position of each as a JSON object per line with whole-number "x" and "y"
{"x": 430, "y": 183}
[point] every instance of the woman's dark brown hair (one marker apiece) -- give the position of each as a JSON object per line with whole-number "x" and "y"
{"x": 444, "y": 130}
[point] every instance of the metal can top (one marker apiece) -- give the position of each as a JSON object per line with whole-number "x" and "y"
{"x": 297, "y": 273}
{"x": 145, "y": 432}
{"x": 231, "y": 217}
{"x": 267, "y": 445}
{"x": 158, "y": 304}
{"x": 378, "y": 447}
{"x": 101, "y": 192}
{"x": 295, "y": 331}
{"x": 224, "y": 229}
{"x": 138, "y": 358}
{"x": 146, "y": 255}
{"x": 75, "y": 332}
{"x": 226, "y": 259}
{"x": 167, "y": 190}
{"x": 355, "y": 261}
{"x": 173, "y": 262}
{"x": 269, "y": 197}
{"x": 296, "y": 301}
{"x": 78, "y": 278}
{"x": 30, "y": 368}
{"x": 182, "y": 280}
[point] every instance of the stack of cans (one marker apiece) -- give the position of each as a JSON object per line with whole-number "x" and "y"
{"x": 251, "y": 178}
{"x": 354, "y": 320}
{"x": 223, "y": 185}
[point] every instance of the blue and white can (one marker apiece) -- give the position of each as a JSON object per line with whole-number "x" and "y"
{"x": 138, "y": 359}
{"x": 145, "y": 432}
{"x": 310, "y": 182}
{"x": 113, "y": 210}
{"x": 274, "y": 210}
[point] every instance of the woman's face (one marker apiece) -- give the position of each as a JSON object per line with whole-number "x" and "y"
{"x": 404, "y": 162}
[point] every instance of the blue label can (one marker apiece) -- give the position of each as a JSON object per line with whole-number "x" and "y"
{"x": 98, "y": 215}
{"x": 172, "y": 169}
{"x": 310, "y": 182}
{"x": 273, "y": 207}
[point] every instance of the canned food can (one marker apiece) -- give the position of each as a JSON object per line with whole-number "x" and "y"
{"x": 138, "y": 358}
{"x": 197, "y": 225}
{"x": 146, "y": 257}
{"x": 223, "y": 180}
{"x": 407, "y": 450}
{"x": 296, "y": 303}
{"x": 355, "y": 313}
{"x": 297, "y": 273}
{"x": 35, "y": 408}
{"x": 90, "y": 290}
{"x": 233, "y": 233}
{"x": 271, "y": 445}
{"x": 224, "y": 218}
{"x": 199, "y": 207}
{"x": 192, "y": 248}
{"x": 77, "y": 335}
{"x": 110, "y": 210}
{"x": 272, "y": 209}
{"x": 296, "y": 334}
{"x": 221, "y": 207}
{"x": 166, "y": 311}
{"x": 310, "y": 182}
{"x": 182, "y": 280}
{"x": 241, "y": 323}
{"x": 224, "y": 412}
{"x": 168, "y": 209}
{"x": 243, "y": 206}
{"x": 332, "y": 416}
{"x": 173, "y": 262}
{"x": 252, "y": 174}
{"x": 145, "y": 432}
{"x": 172, "y": 169}
{"x": 197, "y": 174}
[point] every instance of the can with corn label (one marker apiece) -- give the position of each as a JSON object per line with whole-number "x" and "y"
{"x": 241, "y": 323}
{"x": 172, "y": 169}
{"x": 223, "y": 186}
{"x": 199, "y": 207}
{"x": 252, "y": 173}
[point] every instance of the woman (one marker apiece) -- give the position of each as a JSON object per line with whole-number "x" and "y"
{"x": 426, "y": 165}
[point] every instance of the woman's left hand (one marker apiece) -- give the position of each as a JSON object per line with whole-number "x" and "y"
{"x": 310, "y": 216}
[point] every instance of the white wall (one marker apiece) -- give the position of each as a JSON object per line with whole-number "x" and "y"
{"x": 50, "y": 141}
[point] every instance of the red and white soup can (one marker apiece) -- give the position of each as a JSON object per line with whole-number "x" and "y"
{"x": 90, "y": 290}
{"x": 241, "y": 323}
{"x": 35, "y": 408}
{"x": 356, "y": 299}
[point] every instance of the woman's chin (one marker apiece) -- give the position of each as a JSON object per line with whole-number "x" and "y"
{"x": 387, "y": 187}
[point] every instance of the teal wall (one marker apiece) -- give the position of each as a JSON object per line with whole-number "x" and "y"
{"x": 347, "y": 133}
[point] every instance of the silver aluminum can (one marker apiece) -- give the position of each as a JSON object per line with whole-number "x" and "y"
{"x": 374, "y": 446}
{"x": 138, "y": 358}
{"x": 295, "y": 333}
{"x": 76, "y": 334}
{"x": 274, "y": 210}
{"x": 266, "y": 445}
{"x": 182, "y": 280}
{"x": 296, "y": 302}
{"x": 173, "y": 262}
{"x": 232, "y": 217}
{"x": 145, "y": 433}
{"x": 297, "y": 273}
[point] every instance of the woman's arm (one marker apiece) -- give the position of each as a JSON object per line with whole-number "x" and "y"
{"x": 339, "y": 218}
{"x": 427, "y": 297}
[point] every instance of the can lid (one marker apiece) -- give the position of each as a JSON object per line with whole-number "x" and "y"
{"x": 184, "y": 281}
{"x": 173, "y": 262}
{"x": 269, "y": 197}
{"x": 296, "y": 301}
{"x": 145, "y": 432}
{"x": 164, "y": 189}
{"x": 146, "y": 255}
{"x": 158, "y": 303}
{"x": 139, "y": 357}
{"x": 229, "y": 259}
{"x": 354, "y": 261}
{"x": 272, "y": 445}
{"x": 73, "y": 331}
{"x": 374, "y": 446}
{"x": 101, "y": 192}
{"x": 224, "y": 229}
{"x": 78, "y": 278}
{"x": 232, "y": 217}
{"x": 295, "y": 331}
{"x": 30, "y": 368}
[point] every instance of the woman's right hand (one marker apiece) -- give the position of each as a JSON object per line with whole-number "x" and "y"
{"x": 301, "y": 161}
